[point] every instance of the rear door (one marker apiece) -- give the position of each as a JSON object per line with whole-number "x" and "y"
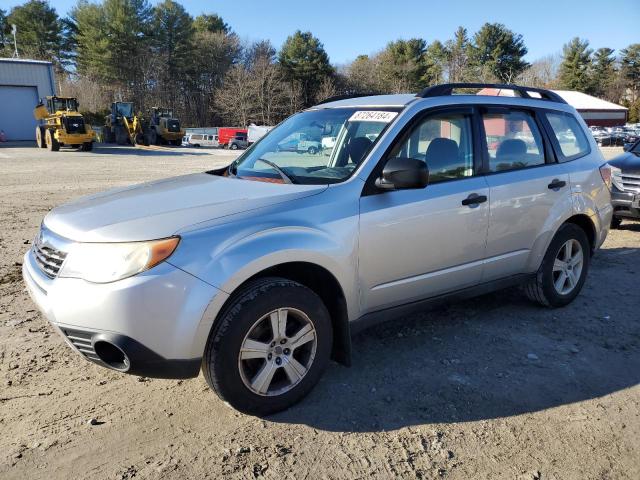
{"x": 529, "y": 190}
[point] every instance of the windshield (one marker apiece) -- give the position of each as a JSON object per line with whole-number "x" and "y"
{"x": 314, "y": 147}
{"x": 62, "y": 104}
{"x": 125, "y": 109}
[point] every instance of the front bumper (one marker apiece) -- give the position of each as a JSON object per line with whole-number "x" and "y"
{"x": 74, "y": 138}
{"x": 622, "y": 203}
{"x": 159, "y": 319}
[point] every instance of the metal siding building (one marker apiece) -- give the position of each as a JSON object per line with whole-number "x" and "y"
{"x": 22, "y": 84}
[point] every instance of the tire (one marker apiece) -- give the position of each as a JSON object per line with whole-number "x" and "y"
{"x": 312, "y": 150}
{"x": 615, "y": 223}
{"x": 52, "y": 143}
{"x": 176, "y": 143}
{"x": 87, "y": 146}
{"x": 40, "y": 137}
{"x": 153, "y": 137}
{"x": 121, "y": 136}
{"x": 247, "y": 312}
{"x": 233, "y": 146}
{"x": 543, "y": 287}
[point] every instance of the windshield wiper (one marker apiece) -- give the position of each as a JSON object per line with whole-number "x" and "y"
{"x": 288, "y": 178}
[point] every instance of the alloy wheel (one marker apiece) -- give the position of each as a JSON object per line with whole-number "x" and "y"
{"x": 567, "y": 267}
{"x": 277, "y": 352}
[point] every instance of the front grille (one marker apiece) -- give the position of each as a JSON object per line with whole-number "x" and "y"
{"x": 75, "y": 125}
{"x": 82, "y": 341}
{"x": 631, "y": 183}
{"x": 48, "y": 258}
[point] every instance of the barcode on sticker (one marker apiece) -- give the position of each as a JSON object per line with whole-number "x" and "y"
{"x": 372, "y": 116}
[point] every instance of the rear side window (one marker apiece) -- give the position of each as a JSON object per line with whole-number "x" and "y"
{"x": 571, "y": 139}
{"x": 513, "y": 140}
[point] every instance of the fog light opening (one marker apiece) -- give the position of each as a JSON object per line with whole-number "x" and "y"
{"x": 112, "y": 355}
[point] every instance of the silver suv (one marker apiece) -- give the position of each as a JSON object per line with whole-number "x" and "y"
{"x": 260, "y": 272}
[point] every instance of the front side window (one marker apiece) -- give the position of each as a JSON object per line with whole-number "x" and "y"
{"x": 513, "y": 141}
{"x": 314, "y": 147}
{"x": 571, "y": 139}
{"x": 444, "y": 142}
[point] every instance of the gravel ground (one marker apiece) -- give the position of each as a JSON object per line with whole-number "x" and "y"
{"x": 493, "y": 387}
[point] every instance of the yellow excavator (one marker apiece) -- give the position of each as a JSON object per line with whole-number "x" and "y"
{"x": 123, "y": 126}
{"x": 62, "y": 125}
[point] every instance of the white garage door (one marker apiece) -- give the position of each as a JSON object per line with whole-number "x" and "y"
{"x": 16, "y": 112}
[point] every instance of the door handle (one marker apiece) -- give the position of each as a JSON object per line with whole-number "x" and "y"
{"x": 556, "y": 184}
{"x": 474, "y": 199}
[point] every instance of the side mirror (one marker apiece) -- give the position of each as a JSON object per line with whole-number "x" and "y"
{"x": 401, "y": 173}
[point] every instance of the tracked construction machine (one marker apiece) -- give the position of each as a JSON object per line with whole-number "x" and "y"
{"x": 61, "y": 125}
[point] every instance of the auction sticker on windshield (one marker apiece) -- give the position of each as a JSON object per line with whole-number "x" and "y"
{"x": 372, "y": 116}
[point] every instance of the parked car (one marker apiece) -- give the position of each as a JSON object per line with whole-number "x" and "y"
{"x": 239, "y": 142}
{"x": 202, "y": 140}
{"x": 625, "y": 195}
{"x": 259, "y": 272}
{"x": 299, "y": 142}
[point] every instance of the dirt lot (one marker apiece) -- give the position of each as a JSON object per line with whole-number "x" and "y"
{"x": 493, "y": 387}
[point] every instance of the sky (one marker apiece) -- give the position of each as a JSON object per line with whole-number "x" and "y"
{"x": 350, "y": 28}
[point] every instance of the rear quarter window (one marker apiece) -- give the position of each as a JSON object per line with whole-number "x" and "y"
{"x": 570, "y": 138}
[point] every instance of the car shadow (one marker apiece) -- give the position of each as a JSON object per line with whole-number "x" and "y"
{"x": 630, "y": 225}
{"x": 494, "y": 356}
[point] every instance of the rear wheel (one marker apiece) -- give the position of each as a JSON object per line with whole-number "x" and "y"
{"x": 269, "y": 347}
{"x": 312, "y": 150}
{"x": 563, "y": 270}
{"x": 121, "y": 136}
{"x": 52, "y": 144}
{"x": 87, "y": 146}
{"x": 153, "y": 137}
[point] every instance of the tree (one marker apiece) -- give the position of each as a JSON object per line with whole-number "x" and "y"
{"x": 457, "y": 56}
{"x": 575, "y": 69}
{"x": 363, "y": 75}
{"x": 304, "y": 61}
{"x": 604, "y": 73}
{"x": 403, "y": 67}
{"x": 4, "y": 33}
{"x": 630, "y": 68}
{"x": 435, "y": 57}
{"x": 172, "y": 45}
{"x": 542, "y": 73}
{"x": 39, "y": 30}
{"x": 211, "y": 23}
{"x": 498, "y": 53}
{"x": 113, "y": 44}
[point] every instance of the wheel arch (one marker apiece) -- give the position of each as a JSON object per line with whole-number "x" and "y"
{"x": 324, "y": 284}
{"x": 586, "y": 224}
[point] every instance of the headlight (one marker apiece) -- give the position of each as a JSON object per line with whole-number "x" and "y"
{"x": 108, "y": 262}
{"x": 616, "y": 178}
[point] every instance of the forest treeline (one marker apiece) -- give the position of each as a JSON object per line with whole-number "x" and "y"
{"x": 162, "y": 56}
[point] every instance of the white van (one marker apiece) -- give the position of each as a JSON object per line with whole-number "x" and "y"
{"x": 202, "y": 140}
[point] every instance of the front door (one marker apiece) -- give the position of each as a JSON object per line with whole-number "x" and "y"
{"x": 420, "y": 243}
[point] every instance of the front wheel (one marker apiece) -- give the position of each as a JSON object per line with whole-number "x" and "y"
{"x": 269, "y": 347}
{"x": 233, "y": 146}
{"x": 563, "y": 270}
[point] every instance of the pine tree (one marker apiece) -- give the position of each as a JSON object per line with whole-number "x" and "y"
{"x": 498, "y": 53}
{"x": 575, "y": 69}
{"x": 39, "y": 30}
{"x": 630, "y": 68}
{"x": 603, "y": 72}
{"x": 305, "y": 62}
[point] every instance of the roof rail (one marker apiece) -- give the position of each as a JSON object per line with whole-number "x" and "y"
{"x": 347, "y": 96}
{"x": 447, "y": 89}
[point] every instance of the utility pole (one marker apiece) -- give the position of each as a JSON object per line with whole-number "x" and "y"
{"x": 15, "y": 42}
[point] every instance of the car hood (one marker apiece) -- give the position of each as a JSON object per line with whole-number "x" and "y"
{"x": 161, "y": 208}
{"x": 627, "y": 162}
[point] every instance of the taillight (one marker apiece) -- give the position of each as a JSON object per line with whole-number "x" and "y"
{"x": 606, "y": 173}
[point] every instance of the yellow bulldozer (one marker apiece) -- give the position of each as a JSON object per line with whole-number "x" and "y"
{"x": 61, "y": 125}
{"x": 123, "y": 126}
{"x": 164, "y": 127}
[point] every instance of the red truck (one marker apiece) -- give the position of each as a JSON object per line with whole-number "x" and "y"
{"x": 226, "y": 134}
